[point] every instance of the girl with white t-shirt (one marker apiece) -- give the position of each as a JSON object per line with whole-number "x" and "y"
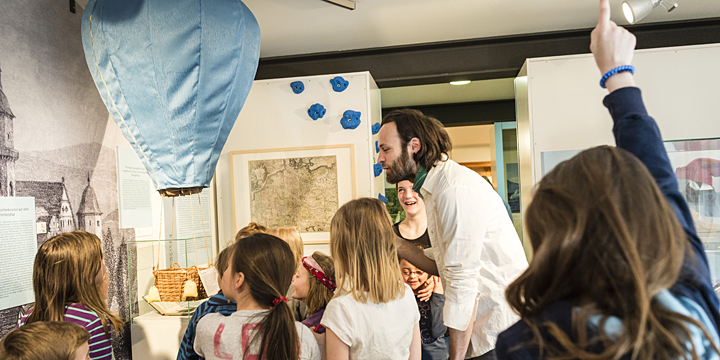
{"x": 260, "y": 269}
{"x": 373, "y": 314}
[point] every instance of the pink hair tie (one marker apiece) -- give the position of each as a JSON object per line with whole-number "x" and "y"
{"x": 314, "y": 268}
{"x": 279, "y": 300}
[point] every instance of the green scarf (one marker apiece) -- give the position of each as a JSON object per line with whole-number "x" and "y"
{"x": 419, "y": 179}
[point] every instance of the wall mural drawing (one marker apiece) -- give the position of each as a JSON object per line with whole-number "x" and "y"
{"x": 57, "y": 143}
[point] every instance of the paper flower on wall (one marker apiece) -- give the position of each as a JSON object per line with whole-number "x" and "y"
{"x": 350, "y": 120}
{"x": 297, "y": 87}
{"x": 375, "y": 128}
{"x": 339, "y": 84}
{"x": 174, "y": 78}
{"x": 382, "y": 198}
{"x": 316, "y": 111}
{"x": 378, "y": 169}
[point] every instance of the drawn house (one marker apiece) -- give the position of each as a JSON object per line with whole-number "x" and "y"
{"x": 8, "y": 154}
{"x": 88, "y": 214}
{"x": 53, "y": 210}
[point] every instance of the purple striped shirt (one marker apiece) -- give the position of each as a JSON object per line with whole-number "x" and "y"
{"x": 100, "y": 344}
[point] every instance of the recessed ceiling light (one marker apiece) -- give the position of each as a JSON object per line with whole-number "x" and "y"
{"x": 461, "y": 82}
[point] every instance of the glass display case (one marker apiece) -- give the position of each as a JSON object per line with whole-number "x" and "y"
{"x": 168, "y": 266}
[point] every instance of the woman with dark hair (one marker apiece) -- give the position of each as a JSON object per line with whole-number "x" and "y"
{"x": 618, "y": 269}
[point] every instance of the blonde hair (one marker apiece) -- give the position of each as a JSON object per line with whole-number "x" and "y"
{"x": 362, "y": 243}
{"x": 319, "y": 295}
{"x": 293, "y": 238}
{"x": 251, "y": 228}
{"x": 64, "y": 274}
{"x": 51, "y": 340}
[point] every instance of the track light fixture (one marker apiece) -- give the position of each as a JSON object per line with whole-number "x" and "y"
{"x": 636, "y": 10}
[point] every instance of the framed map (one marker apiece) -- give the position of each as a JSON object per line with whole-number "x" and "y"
{"x": 295, "y": 187}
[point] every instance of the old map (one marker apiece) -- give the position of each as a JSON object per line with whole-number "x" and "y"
{"x": 296, "y": 192}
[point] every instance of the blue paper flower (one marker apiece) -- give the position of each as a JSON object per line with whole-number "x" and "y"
{"x": 378, "y": 169}
{"x": 382, "y": 198}
{"x": 350, "y": 120}
{"x": 297, "y": 87}
{"x": 375, "y": 128}
{"x": 316, "y": 111}
{"x": 339, "y": 84}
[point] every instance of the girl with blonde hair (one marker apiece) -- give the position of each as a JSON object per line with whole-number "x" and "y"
{"x": 70, "y": 283}
{"x": 293, "y": 238}
{"x": 373, "y": 314}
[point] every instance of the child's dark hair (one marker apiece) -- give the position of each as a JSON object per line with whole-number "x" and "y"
{"x": 44, "y": 340}
{"x": 267, "y": 263}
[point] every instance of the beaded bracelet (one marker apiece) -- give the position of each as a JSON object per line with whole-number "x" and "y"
{"x": 614, "y": 71}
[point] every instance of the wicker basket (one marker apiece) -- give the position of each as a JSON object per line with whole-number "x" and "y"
{"x": 171, "y": 282}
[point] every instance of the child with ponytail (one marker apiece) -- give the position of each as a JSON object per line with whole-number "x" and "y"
{"x": 258, "y": 275}
{"x": 70, "y": 283}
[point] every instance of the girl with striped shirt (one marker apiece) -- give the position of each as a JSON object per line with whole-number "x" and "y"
{"x": 70, "y": 283}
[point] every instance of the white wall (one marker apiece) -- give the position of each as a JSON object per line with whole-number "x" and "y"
{"x": 560, "y": 102}
{"x": 275, "y": 117}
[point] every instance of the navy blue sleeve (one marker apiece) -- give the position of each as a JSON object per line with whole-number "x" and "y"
{"x": 636, "y": 132}
{"x": 437, "y": 328}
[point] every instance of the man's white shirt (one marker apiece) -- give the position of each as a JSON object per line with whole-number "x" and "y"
{"x": 477, "y": 251}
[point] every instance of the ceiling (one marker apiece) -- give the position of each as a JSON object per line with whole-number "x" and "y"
{"x": 291, "y": 27}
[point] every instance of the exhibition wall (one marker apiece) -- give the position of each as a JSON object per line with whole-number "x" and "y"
{"x": 274, "y": 124}
{"x": 559, "y": 103}
{"x": 58, "y": 149}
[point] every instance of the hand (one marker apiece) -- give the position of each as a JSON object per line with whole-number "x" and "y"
{"x": 610, "y": 44}
{"x": 426, "y": 291}
{"x": 437, "y": 287}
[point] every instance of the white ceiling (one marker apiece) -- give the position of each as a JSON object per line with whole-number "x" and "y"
{"x": 291, "y": 27}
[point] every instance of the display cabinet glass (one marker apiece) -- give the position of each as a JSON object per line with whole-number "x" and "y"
{"x": 178, "y": 261}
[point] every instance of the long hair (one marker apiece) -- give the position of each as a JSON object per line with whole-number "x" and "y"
{"x": 64, "y": 274}
{"x": 362, "y": 243}
{"x": 267, "y": 263}
{"x": 606, "y": 240}
{"x": 434, "y": 140}
{"x": 293, "y": 238}
{"x": 319, "y": 295}
{"x": 51, "y": 340}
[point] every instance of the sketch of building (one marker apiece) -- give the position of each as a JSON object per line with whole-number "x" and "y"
{"x": 53, "y": 210}
{"x": 88, "y": 214}
{"x": 8, "y": 154}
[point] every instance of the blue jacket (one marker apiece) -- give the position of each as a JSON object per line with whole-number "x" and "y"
{"x": 216, "y": 304}
{"x": 636, "y": 132}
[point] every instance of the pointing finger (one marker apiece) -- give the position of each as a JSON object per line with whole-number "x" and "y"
{"x": 604, "y": 12}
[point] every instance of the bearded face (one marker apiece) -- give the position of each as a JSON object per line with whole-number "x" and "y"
{"x": 402, "y": 167}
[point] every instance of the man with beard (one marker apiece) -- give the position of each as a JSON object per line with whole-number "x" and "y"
{"x": 475, "y": 249}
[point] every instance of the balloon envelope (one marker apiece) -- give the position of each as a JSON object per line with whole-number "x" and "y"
{"x": 174, "y": 75}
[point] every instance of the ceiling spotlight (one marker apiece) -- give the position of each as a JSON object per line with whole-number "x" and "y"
{"x": 636, "y": 10}
{"x": 461, "y": 82}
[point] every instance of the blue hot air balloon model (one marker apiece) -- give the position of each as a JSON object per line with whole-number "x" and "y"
{"x": 174, "y": 75}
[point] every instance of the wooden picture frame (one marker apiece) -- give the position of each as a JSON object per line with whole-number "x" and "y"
{"x": 298, "y": 187}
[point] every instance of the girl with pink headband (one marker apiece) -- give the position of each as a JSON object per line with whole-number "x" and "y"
{"x": 314, "y": 284}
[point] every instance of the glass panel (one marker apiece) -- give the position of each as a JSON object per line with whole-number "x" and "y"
{"x": 512, "y": 178}
{"x": 697, "y": 168}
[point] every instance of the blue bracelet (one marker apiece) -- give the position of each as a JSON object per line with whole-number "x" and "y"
{"x": 614, "y": 71}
